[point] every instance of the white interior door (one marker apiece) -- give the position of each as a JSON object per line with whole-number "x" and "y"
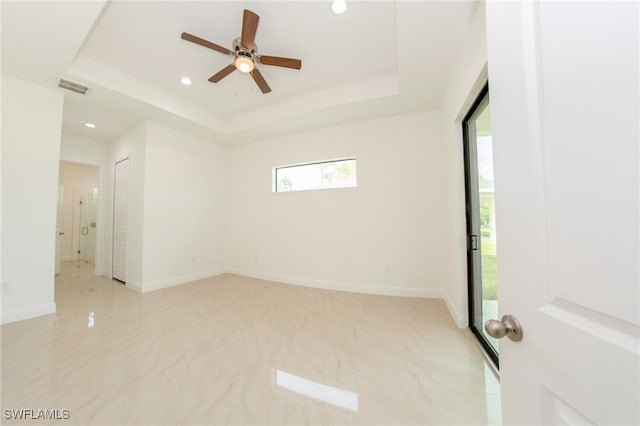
{"x": 120, "y": 220}
{"x": 59, "y": 232}
{"x": 563, "y": 79}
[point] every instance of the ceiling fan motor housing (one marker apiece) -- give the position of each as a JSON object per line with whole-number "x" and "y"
{"x": 238, "y": 50}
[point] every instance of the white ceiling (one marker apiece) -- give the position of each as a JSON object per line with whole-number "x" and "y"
{"x": 378, "y": 58}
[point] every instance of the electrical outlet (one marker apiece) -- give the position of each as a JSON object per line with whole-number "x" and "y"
{"x": 6, "y": 286}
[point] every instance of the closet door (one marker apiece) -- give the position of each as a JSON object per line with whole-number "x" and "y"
{"x": 120, "y": 220}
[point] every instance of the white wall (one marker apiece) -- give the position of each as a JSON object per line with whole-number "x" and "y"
{"x": 184, "y": 208}
{"x": 95, "y": 153}
{"x": 177, "y": 198}
{"x": 31, "y": 129}
{"x": 83, "y": 150}
{"x": 384, "y": 236}
{"x": 467, "y": 79}
{"x": 129, "y": 145}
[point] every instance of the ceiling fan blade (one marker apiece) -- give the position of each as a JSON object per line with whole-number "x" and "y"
{"x": 280, "y": 62}
{"x": 259, "y": 79}
{"x": 249, "y": 28}
{"x": 205, "y": 43}
{"x": 222, "y": 73}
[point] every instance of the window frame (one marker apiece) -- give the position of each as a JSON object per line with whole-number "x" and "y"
{"x": 274, "y": 174}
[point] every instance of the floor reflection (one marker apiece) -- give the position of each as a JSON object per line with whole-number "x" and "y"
{"x": 318, "y": 391}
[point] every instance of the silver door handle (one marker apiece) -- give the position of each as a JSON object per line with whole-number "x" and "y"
{"x": 509, "y": 326}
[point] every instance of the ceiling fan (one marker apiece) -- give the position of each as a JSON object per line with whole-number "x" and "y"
{"x": 245, "y": 53}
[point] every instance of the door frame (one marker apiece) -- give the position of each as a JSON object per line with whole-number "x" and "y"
{"x": 100, "y": 229}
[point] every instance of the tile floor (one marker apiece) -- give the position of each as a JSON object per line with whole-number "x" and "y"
{"x": 236, "y": 350}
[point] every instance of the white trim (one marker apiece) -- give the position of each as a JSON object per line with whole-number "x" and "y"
{"x": 134, "y": 285}
{"x": 107, "y": 273}
{"x": 460, "y": 320}
{"x": 28, "y": 312}
{"x": 432, "y": 293}
{"x": 147, "y": 287}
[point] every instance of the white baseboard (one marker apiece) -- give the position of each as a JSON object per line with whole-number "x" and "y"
{"x": 460, "y": 320}
{"x": 134, "y": 285}
{"x": 28, "y": 312}
{"x": 157, "y": 285}
{"x": 432, "y": 293}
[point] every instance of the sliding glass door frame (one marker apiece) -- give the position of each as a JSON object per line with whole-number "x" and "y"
{"x": 472, "y": 206}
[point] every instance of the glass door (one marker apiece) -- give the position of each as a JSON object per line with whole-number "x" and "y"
{"x": 481, "y": 221}
{"x": 88, "y": 218}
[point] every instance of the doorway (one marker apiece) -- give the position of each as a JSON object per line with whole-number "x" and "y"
{"x": 77, "y": 212}
{"x": 87, "y": 223}
{"x": 481, "y": 221}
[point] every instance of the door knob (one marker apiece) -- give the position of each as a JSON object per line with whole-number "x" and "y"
{"x": 509, "y": 326}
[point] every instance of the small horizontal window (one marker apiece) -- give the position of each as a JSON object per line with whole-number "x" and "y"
{"x": 321, "y": 175}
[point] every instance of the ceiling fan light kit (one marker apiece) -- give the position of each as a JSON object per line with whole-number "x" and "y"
{"x": 244, "y": 64}
{"x": 245, "y": 53}
{"x": 245, "y": 59}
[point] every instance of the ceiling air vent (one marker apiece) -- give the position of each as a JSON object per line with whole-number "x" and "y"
{"x": 74, "y": 87}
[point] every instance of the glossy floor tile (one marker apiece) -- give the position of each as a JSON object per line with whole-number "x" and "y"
{"x": 235, "y": 350}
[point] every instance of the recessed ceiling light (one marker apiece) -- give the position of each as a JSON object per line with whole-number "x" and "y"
{"x": 90, "y": 125}
{"x": 339, "y": 6}
{"x": 186, "y": 81}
